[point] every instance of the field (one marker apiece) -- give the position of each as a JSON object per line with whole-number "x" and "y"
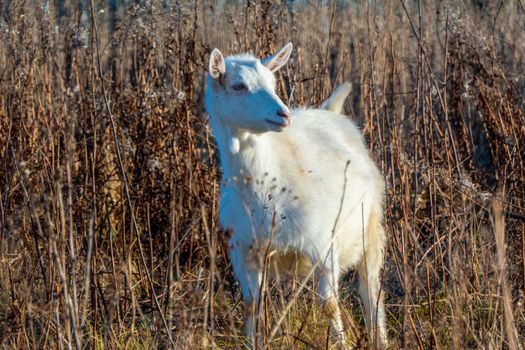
{"x": 109, "y": 234}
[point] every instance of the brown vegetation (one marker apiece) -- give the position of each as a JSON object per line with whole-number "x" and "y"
{"x": 88, "y": 240}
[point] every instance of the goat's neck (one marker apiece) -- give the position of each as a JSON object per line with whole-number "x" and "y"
{"x": 242, "y": 153}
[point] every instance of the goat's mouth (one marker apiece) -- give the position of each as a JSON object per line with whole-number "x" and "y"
{"x": 284, "y": 123}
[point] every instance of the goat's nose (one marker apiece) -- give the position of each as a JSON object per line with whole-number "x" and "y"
{"x": 285, "y": 113}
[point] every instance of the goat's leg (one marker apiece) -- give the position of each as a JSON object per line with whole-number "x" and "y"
{"x": 327, "y": 289}
{"x": 249, "y": 275}
{"x": 372, "y": 298}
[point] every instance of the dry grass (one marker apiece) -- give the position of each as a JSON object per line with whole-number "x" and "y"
{"x": 438, "y": 91}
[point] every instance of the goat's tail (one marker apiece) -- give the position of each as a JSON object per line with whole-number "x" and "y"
{"x": 335, "y": 102}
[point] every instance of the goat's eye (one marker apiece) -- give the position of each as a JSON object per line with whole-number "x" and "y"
{"x": 239, "y": 87}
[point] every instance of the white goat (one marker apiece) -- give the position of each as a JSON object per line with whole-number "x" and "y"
{"x": 306, "y": 191}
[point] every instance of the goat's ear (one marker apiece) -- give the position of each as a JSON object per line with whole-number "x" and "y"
{"x": 279, "y": 59}
{"x": 217, "y": 67}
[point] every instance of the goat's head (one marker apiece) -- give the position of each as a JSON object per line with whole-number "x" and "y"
{"x": 241, "y": 91}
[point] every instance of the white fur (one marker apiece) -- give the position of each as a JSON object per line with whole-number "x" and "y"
{"x": 306, "y": 190}
{"x": 335, "y": 102}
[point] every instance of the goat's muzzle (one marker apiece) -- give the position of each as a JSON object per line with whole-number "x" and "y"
{"x": 286, "y": 115}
